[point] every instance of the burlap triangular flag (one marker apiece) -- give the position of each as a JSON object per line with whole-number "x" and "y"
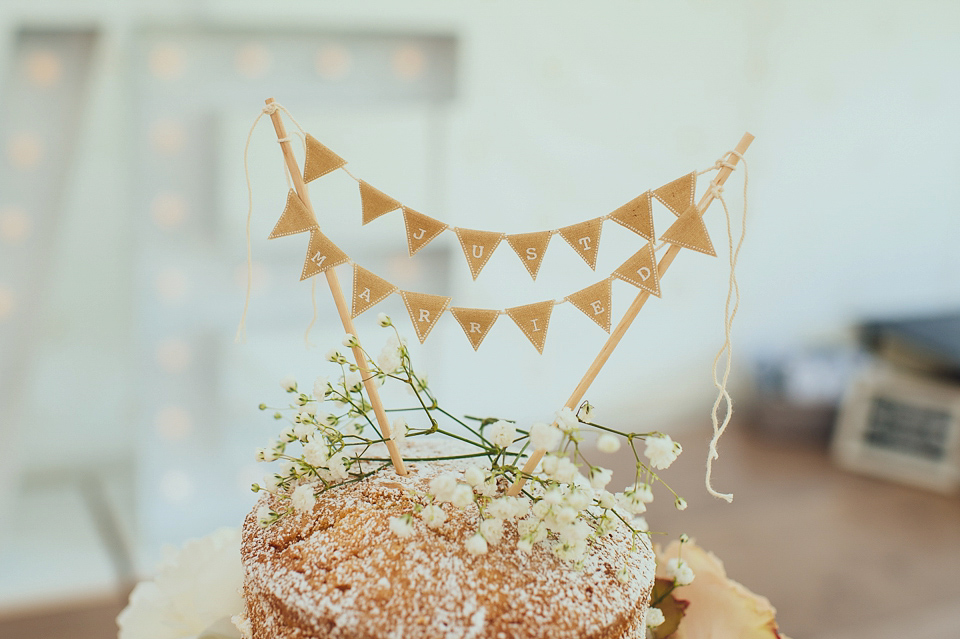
{"x": 319, "y": 160}
{"x": 368, "y": 290}
{"x": 321, "y": 255}
{"x": 530, "y": 248}
{"x": 425, "y": 310}
{"x": 296, "y": 218}
{"x": 585, "y": 239}
{"x": 533, "y": 320}
{"x": 679, "y": 194}
{"x": 475, "y": 322}
{"x": 690, "y": 232}
{"x": 636, "y": 215}
{"x": 477, "y": 247}
{"x": 375, "y": 203}
{"x": 421, "y": 229}
{"x": 641, "y": 270}
{"x": 594, "y": 301}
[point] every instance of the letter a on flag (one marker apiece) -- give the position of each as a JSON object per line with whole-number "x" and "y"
{"x": 368, "y": 290}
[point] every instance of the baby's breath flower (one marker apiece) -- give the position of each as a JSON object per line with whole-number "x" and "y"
{"x": 303, "y": 430}
{"x": 492, "y": 530}
{"x": 266, "y": 454}
{"x": 567, "y": 420}
{"x": 398, "y": 432}
{"x": 402, "y": 526}
{"x": 502, "y": 433}
{"x": 544, "y": 436}
{"x": 587, "y": 411}
{"x": 462, "y": 496}
{"x": 680, "y": 503}
{"x": 578, "y": 499}
{"x": 337, "y": 467}
{"x": 384, "y": 320}
{"x": 624, "y": 573}
{"x": 271, "y": 483}
{"x": 600, "y": 477}
{"x": 353, "y": 382}
{"x": 564, "y": 471}
{"x": 476, "y": 544}
{"x": 639, "y": 523}
{"x": 662, "y": 451}
{"x": 389, "y": 359}
{"x": 350, "y": 340}
{"x": 264, "y": 516}
{"x": 315, "y": 453}
{"x": 333, "y": 355}
{"x": 303, "y": 498}
{"x": 289, "y": 383}
{"x": 474, "y": 476}
{"x": 608, "y": 443}
{"x": 525, "y": 545}
{"x": 654, "y": 617}
{"x": 606, "y": 499}
{"x": 680, "y": 571}
{"x": 433, "y": 516}
{"x": 442, "y": 487}
{"x": 320, "y": 386}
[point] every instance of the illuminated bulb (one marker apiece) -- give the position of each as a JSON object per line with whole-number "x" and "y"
{"x": 25, "y": 151}
{"x": 172, "y": 285}
{"x": 43, "y": 68}
{"x": 253, "y": 61}
{"x": 15, "y": 225}
{"x": 409, "y": 62}
{"x": 260, "y": 276}
{"x": 168, "y": 210}
{"x": 333, "y": 62}
{"x": 166, "y": 62}
{"x": 174, "y": 355}
{"x": 173, "y": 423}
{"x": 167, "y": 136}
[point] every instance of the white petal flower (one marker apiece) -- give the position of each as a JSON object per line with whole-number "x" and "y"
{"x": 588, "y": 411}
{"x": 680, "y": 503}
{"x": 333, "y": 355}
{"x": 567, "y": 420}
{"x": 474, "y": 476}
{"x": 302, "y": 430}
{"x": 266, "y": 454}
{"x": 320, "y": 386}
{"x": 264, "y": 516}
{"x": 401, "y": 526}
{"x": 654, "y": 617}
{"x": 578, "y": 499}
{"x": 544, "y": 436}
{"x": 384, "y": 320}
{"x": 608, "y": 443}
{"x": 640, "y": 523}
{"x": 442, "y": 486}
{"x": 492, "y": 530}
{"x": 289, "y": 383}
{"x": 337, "y": 467}
{"x": 353, "y": 382}
{"x": 600, "y": 477}
{"x": 476, "y": 544}
{"x": 565, "y": 472}
{"x": 315, "y": 453}
{"x": 679, "y": 570}
{"x": 350, "y": 340}
{"x": 433, "y": 516}
{"x": 549, "y": 465}
{"x": 525, "y": 545}
{"x": 303, "y": 498}
{"x": 462, "y": 496}
{"x": 194, "y": 587}
{"x": 504, "y": 507}
{"x": 502, "y": 433}
{"x": 662, "y": 451}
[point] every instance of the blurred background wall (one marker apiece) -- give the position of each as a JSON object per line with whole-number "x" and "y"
{"x": 129, "y": 413}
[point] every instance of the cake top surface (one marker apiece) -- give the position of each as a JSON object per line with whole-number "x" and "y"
{"x": 338, "y": 571}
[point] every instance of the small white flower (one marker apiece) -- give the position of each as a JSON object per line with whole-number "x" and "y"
{"x": 353, "y": 382}
{"x": 680, "y": 503}
{"x": 442, "y": 487}
{"x": 433, "y": 516}
{"x": 398, "y": 432}
{"x": 624, "y": 574}
{"x": 600, "y": 477}
{"x": 608, "y": 443}
{"x": 662, "y": 451}
{"x": 302, "y": 430}
{"x": 502, "y": 433}
{"x": 289, "y": 383}
{"x": 549, "y": 465}
{"x": 401, "y": 526}
{"x": 554, "y": 497}
{"x": 525, "y": 545}
{"x": 565, "y": 472}
{"x": 476, "y": 544}
{"x": 506, "y": 507}
{"x": 264, "y": 516}
{"x": 474, "y": 476}
{"x": 271, "y": 483}
{"x": 389, "y": 359}
{"x": 336, "y": 466}
{"x": 492, "y": 530}
{"x": 654, "y": 617}
{"x": 333, "y": 355}
{"x": 320, "y": 386}
{"x": 266, "y": 454}
{"x": 544, "y": 436}
{"x": 350, "y": 340}
{"x": 640, "y": 523}
{"x": 462, "y": 496}
{"x": 587, "y": 411}
{"x": 679, "y": 570}
{"x": 606, "y": 499}
{"x": 384, "y": 320}
{"x": 315, "y": 453}
{"x": 578, "y": 499}
{"x": 303, "y": 498}
{"x": 567, "y": 420}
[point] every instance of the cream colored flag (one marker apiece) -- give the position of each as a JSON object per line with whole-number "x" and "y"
{"x": 421, "y": 229}
{"x": 475, "y": 322}
{"x": 585, "y": 239}
{"x": 296, "y": 218}
{"x": 637, "y": 215}
{"x": 678, "y": 194}
{"x": 375, "y": 203}
{"x": 641, "y": 270}
{"x": 478, "y": 246}
{"x": 321, "y": 255}
{"x": 594, "y": 302}
{"x": 533, "y": 320}
{"x": 530, "y": 248}
{"x": 425, "y": 310}
{"x": 368, "y": 290}
{"x": 319, "y": 160}
{"x": 690, "y": 232}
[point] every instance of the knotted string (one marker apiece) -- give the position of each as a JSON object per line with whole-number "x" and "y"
{"x": 730, "y": 312}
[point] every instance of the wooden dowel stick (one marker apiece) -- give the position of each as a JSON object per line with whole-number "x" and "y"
{"x": 368, "y": 382}
{"x": 631, "y": 314}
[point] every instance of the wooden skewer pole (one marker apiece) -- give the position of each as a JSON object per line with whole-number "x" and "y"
{"x": 368, "y": 382}
{"x": 631, "y": 314}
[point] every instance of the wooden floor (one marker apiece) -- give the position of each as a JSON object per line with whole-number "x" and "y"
{"x": 840, "y": 556}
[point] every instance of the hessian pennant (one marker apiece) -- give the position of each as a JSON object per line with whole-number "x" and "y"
{"x": 678, "y": 194}
{"x": 319, "y": 160}
{"x": 690, "y": 232}
{"x": 641, "y": 270}
{"x": 421, "y": 229}
{"x": 375, "y": 203}
{"x": 296, "y": 218}
{"x": 533, "y": 320}
{"x": 585, "y": 239}
{"x": 594, "y": 302}
{"x": 425, "y": 310}
{"x": 321, "y": 255}
{"x": 637, "y": 215}
{"x": 475, "y": 322}
{"x": 368, "y": 290}
{"x": 530, "y": 248}
{"x": 478, "y": 246}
